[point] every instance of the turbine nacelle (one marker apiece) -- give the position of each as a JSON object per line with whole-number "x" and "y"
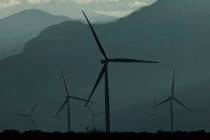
{"x": 105, "y": 61}
{"x": 67, "y": 97}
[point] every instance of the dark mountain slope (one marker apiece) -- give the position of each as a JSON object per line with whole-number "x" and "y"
{"x": 172, "y": 32}
{"x": 17, "y": 29}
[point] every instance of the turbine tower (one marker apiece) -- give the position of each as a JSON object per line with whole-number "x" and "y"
{"x": 28, "y": 116}
{"x": 171, "y": 99}
{"x": 104, "y": 72}
{"x": 94, "y": 115}
{"x": 67, "y": 102}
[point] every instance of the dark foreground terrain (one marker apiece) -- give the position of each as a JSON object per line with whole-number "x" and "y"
{"x": 199, "y": 135}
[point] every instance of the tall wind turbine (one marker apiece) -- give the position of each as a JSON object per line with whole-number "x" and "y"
{"x": 67, "y": 102}
{"x": 171, "y": 100}
{"x": 28, "y": 116}
{"x": 94, "y": 115}
{"x": 104, "y": 72}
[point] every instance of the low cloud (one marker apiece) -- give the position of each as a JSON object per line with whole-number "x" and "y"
{"x": 129, "y": 3}
{"x": 37, "y": 1}
{"x": 115, "y": 13}
{"x": 137, "y": 4}
{"x": 94, "y": 1}
{"x": 9, "y": 3}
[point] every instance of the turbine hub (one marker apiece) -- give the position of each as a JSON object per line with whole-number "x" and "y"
{"x": 104, "y": 61}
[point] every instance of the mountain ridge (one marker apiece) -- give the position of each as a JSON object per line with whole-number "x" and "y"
{"x": 23, "y": 26}
{"x": 174, "y": 39}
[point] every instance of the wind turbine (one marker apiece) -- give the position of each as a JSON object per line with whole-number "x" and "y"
{"x": 94, "y": 115}
{"x": 171, "y": 100}
{"x": 104, "y": 72}
{"x": 67, "y": 102}
{"x": 29, "y": 117}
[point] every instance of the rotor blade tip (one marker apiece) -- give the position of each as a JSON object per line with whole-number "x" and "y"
{"x": 156, "y": 62}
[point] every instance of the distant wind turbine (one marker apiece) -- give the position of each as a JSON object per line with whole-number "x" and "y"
{"x": 104, "y": 72}
{"x": 171, "y": 100}
{"x": 29, "y": 117}
{"x": 94, "y": 115}
{"x": 67, "y": 102}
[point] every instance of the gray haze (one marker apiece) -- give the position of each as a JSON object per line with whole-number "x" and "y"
{"x": 174, "y": 32}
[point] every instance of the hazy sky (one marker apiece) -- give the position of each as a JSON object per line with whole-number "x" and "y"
{"x": 72, "y": 8}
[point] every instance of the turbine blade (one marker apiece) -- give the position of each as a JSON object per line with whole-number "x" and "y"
{"x": 91, "y": 111}
{"x": 182, "y": 104}
{"x": 61, "y": 108}
{"x": 65, "y": 83}
{"x": 80, "y": 99}
{"x": 96, "y": 84}
{"x": 173, "y": 85}
{"x": 96, "y": 37}
{"x": 163, "y": 102}
{"x": 34, "y": 108}
{"x": 33, "y": 122}
{"x": 125, "y": 60}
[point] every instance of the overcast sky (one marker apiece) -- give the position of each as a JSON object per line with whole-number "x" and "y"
{"x": 72, "y": 8}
